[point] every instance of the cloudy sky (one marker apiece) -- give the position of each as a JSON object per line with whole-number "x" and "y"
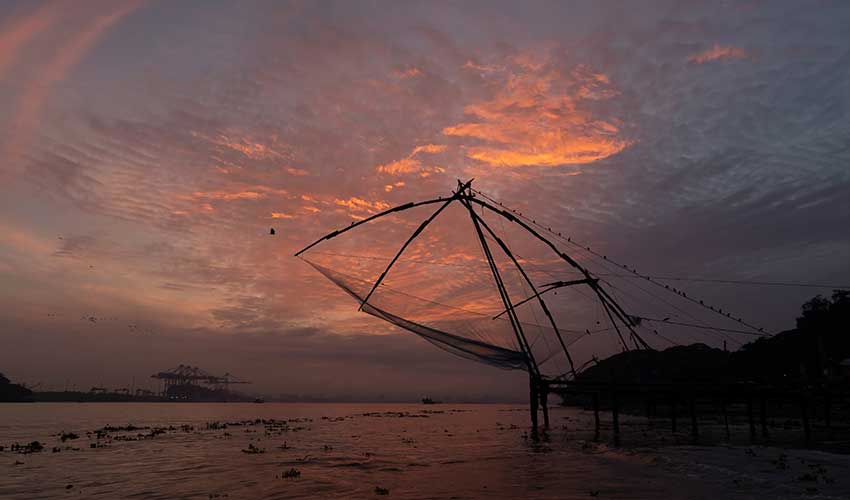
{"x": 147, "y": 147}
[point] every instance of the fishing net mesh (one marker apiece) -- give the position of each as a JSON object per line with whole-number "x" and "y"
{"x": 443, "y": 289}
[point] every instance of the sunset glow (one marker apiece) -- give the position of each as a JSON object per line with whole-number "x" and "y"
{"x": 150, "y": 148}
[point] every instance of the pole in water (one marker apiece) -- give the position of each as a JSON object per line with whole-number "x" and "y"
{"x": 615, "y": 413}
{"x": 750, "y": 417}
{"x": 596, "y": 416}
{"x": 534, "y": 398}
{"x": 804, "y": 410}
{"x": 827, "y": 409}
{"x": 763, "y": 416}
{"x": 694, "y": 423}
{"x": 544, "y": 402}
{"x": 673, "y": 402}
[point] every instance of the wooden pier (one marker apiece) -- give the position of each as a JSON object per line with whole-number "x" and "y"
{"x": 815, "y": 406}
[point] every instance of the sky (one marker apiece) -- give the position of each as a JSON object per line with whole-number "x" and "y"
{"x": 146, "y": 148}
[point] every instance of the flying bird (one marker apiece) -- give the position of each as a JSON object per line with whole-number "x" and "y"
{"x": 271, "y": 231}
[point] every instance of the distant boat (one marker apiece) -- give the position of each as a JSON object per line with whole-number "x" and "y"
{"x": 429, "y": 401}
{"x": 259, "y": 400}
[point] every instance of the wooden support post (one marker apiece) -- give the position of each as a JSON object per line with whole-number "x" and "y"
{"x": 615, "y": 413}
{"x": 763, "y": 416}
{"x": 694, "y": 424}
{"x": 535, "y": 400}
{"x": 596, "y": 416}
{"x": 827, "y": 409}
{"x": 544, "y": 402}
{"x": 673, "y": 403}
{"x": 725, "y": 416}
{"x": 804, "y": 410}
{"x": 750, "y": 417}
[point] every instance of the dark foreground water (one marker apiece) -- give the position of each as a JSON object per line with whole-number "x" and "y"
{"x": 208, "y": 451}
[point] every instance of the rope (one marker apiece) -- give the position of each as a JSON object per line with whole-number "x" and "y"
{"x": 632, "y": 270}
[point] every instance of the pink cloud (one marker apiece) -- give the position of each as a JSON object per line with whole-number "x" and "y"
{"x": 718, "y": 53}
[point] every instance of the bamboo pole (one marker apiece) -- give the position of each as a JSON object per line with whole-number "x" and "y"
{"x": 763, "y": 416}
{"x": 422, "y": 226}
{"x": 522, "y": 272}
{"x": 534, "y": 399}
{"x": 750, "y": 417}
{"x": 399, "y": 208}
{"x": 596, "y": 416}
{"x": 533, "y": 370}
{"x": 615, "y": 414}
{"x": 804, "y": 410}
{"x": 673, "y": 403}
{"x": 694, "y": 422}
{"x": 600, "y": 292}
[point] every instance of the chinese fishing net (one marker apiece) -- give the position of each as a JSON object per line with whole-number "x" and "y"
{"x": 444, "y": 288}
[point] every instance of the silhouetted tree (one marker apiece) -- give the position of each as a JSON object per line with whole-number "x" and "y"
{"x": 820, "y": 341}
{"x": 13, "y": 392}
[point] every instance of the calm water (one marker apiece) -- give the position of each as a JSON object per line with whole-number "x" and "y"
{"x": 349, "y": 450}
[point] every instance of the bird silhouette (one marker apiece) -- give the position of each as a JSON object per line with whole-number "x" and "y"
{"x": 271, "y": 231}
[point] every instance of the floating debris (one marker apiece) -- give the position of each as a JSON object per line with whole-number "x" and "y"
{"x": 381, "y": 491}
{"x": 253, "y": 449}
{"x": 65, "y": 436}
{"x": 291, "y": 474}
{"x": 32, "y": 447}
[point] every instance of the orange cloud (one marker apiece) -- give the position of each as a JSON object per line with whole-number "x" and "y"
{"x": 428, "y": 148}
{"x": 390, "y": 187}
{"x": 23, "y": 241}
{"x": 717, "y": 53}
{"x": 411, "y": 164}
{"x": 248, "y": 193}
{"x": 30, "y": 104}
{"x": 251, "y": 148}
{"x": 537, "y": 118}
{"x": 411, "y": 72}
{"x": 483, "y": 68}
{"x": 282, "y": 215}
{"x": 297, "y": 172}
{"x": 22, "y": 31}
{"x": 223, "y": 195}
{"x": 361, "y": 205}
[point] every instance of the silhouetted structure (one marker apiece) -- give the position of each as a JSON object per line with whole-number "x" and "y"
{"x": 10, "y": 392}
{"x": 504, "y": 340}
{"x": 190, "y": 383}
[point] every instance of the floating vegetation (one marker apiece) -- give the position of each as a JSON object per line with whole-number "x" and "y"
{"x": 291, "y": 473}
{"x": 65, "y": 436}
{"x": 393, "y": 414}
{"x": 31, "y": 447}
{"x": 253, "y": 449}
